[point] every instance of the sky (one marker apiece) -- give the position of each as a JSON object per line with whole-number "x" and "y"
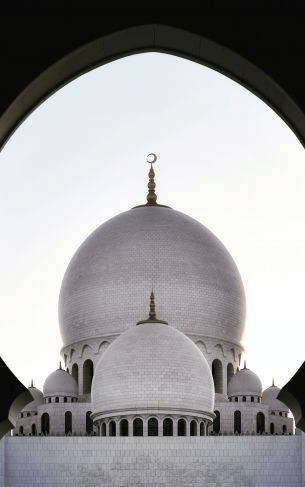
{"x": 224, "y": 158}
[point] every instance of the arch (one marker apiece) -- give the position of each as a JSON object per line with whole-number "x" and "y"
{"x": 153, "y": 427}
{"x": 147, "y": 38}
{"x": 85, "y": 350}
{"x": 89, "y": 423}
{"x": 244, "y": 399}
{"x": 21, "y": 430}
{"x": 124, "y": 427}
{"x": 137, "y": 427}
{"x": 202, "y": 347}
{"x": 102, "y": 347}
{"x": 181, "y": 427}
{"x": 217, "y": 375}
{"x": 271, "y": 428}
{"x": 220, "y": 349}
{"x": 284, "y": 429}
{"x": 237, "y": 422}
{"x": 65, "y": 399}
{"x": 112, "y": 428}
{"x": 201, "y": 429}
{"x": 56, "y": 399}
{"x": 281, "y": 414}
{"x": 260, "y": 423}
{"x": 75, "y": 372}
{"x": 167, "y": 427}
{"x": 216, "y": 422}
{"x": 68, "y": 423}
{"x": 87, "y": 376}
{"x": 230, "y": 372}
{"x": 236, "y": 399}
{"x": 33, "y": 430}
{"x": 103, "y": 429}
{"x": 45, "y": 424}
{"x": 193, "y": 428}
{"x": 252, "y": 398}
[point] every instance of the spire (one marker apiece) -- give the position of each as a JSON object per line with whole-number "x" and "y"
{"x": 152, "y": 307}
{"x": 245, "y": 364}
{"x": 151, "y": 197}
{"x": 273, "y": 385}
{"x": 32, "y": 383}
{"x": 152, "y": 312}
{"x": 60, "y": 366}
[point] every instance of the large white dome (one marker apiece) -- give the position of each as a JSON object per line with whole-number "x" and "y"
{"x": 198, "y": 285}
{"x": 152, "y": 366}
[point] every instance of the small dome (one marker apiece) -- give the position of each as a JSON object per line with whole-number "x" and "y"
{"x": 60, "y": 383}
{"x": 37, "y": 400}
{"x": 152, "y": 366}
{"x": 245, "y": 383}
{"x": 269, "y": 397}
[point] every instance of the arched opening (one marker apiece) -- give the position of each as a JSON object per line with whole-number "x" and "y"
{"x": 167, "y": 427}
{"x": 181, "y": 427}
{"x": 89, "y": 423}
{"x": 236, "y": 399}
{"x": 281, "y": 414}
{"x": 65, "y": 399}
{"x": 137, "y": 427}
{"x": 153, "y": 429}
{"x": 103, "y": 429}
{"x": 45, "y": 424}
{"x": 202, "y": 428}
{"x": 87, "y": 376}
{"x": 217, "y": 375}
{"x": 21, "y": 430}
{"x": 56, "y": 399}
{"x": 124, "y": 430}
{"x": 244, "y": 399}
{"x": 216, "y": 422}
{"x": 33, "y": 430}
{"x": 284, "y": 429}
{"x": 75, "y": 372}
{"x": 271, "y": 428}
{"x": 260, "y": 423}
{"x": 230, "y": 372}
{"x": 193, "y": 428}
{"x": 237, "y": 422}
{"x": 252, "y": 399}
{"x": 68, "y": 423}
{"x": 112, "y": 428}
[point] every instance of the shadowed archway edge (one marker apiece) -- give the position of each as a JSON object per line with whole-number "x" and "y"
{"x": 152, "y": 38}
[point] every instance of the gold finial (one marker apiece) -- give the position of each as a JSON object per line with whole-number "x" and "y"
{"x": 32, "y": 383}
{"x": 152, "y": 312}
{"x": 273, "y": 385}
{"x": 151, "y": 197}
{"x": 60, "y": 366}
{"x": 245, "y": 364}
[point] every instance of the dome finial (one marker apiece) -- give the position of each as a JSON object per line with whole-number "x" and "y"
{"x": 32, "y": 383}
{"x": 151, "y": 197}
{"x": 152, "y": 307}
{"x": 152, "y": 312}
{"x": 245, "y": 364}
{"x": 273, "y": 385}
{"x": 60, "y": 366}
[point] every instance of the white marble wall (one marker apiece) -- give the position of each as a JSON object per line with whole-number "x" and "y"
{"x": 243, "y": 461}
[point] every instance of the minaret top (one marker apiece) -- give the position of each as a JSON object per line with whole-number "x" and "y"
{"x": 152, "y": 312}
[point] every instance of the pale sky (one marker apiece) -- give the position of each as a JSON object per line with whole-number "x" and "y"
{"x": 224, "y": 158}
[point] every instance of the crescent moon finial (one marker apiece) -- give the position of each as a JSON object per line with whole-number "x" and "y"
{"x": 151, "y": 158}
{"x": 151, "y": 197}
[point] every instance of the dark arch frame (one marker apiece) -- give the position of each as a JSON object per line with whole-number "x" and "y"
{"x": 152, "y": 38}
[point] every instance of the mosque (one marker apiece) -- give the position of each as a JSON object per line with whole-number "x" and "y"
{"x": 152, "y": 313}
